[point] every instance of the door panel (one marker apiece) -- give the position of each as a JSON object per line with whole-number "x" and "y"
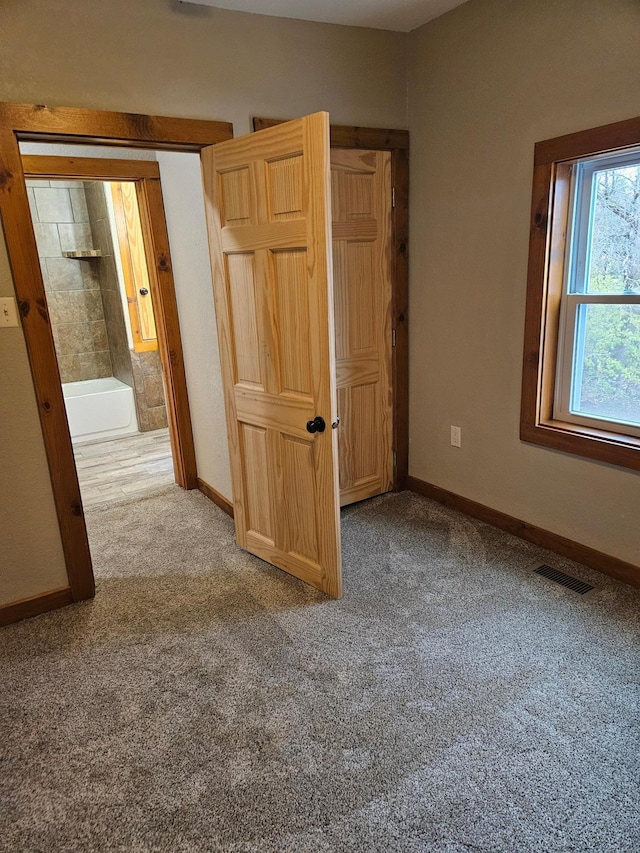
{"x": 361, "y": 231}
{"x": 267, "y": 202}
{"x": 256, "y": 480}
{"x": 292, "y": 306}
{"x": 241, "y": 280}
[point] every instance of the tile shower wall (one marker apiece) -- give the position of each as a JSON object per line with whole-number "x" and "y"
{"x": 147, "y": 382}
{"x": 142, "y": 371}
{"x": 98, "y": 218}
{"x": 61, "y": 223}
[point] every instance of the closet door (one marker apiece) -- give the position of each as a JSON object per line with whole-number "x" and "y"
{"x": 361, "y": 214}
{"x": 267, "y": 202}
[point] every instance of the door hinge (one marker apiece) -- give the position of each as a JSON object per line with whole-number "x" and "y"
{"x": 393, "y": 337}
{"x": 393, "y": 196}
{"x": 395, "y": 459}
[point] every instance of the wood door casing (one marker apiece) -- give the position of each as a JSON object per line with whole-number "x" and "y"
{"x": 361, "y": 234}
{"x": 267, "y": 204}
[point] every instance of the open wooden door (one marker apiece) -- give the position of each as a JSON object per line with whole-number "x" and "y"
{"x": 267, "y": 197}
{"x": 361, "y": 203}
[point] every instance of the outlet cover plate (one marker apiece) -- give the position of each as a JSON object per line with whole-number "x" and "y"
{"x": 8, "y": 312}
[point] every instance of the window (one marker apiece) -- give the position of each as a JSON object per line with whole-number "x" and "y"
{"x": 598, "y": 379}
{"x": 581, "y": 376}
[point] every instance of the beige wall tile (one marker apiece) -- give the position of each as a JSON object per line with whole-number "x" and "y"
{"x": 102, "y": 235}
{"x": 79, "y": 204}
{"x": 150, "y": 362}
{"x": 64, "y": 274}
{"x": 138, "y": 375}
{"x": 70, "y": 369}
{"x": 47, "y": 239}
{"x": 75, "y": 306}
{"x": 95, "y": 365}
{"x": 111, "y": 280}
{"x": 54, "y": 205}
{"x": 93, "y": 304}
{"x": 72, "y": 338}
{"x": 89, "y": 272}
{"x": 75, "y": 237}
{"x": 94, "y": 193}
{"x": 58, "y": 307}
{"x": 99, "y": 335}
{"x": 157, "y": 417}
{"x": 150, "y": 419}
{"x": 154, "y": 390}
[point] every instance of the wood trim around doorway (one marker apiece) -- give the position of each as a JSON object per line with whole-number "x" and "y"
{"x": 19, "y": 122}
{"x": 146, "y": 177}
{"x": 397, "y": 142}
{"x": 87, "y": 168}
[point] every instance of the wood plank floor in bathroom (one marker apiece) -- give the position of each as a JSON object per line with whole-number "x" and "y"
{"x": 124, "y": 467}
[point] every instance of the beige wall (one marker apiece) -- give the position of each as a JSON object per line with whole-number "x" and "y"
{"x": 158, "y": 56}
{"x": 181, "y": 179}
{"x": 31, "y": 558}
{"x": 199, "y": 62}
{"x": 487, "y": 81}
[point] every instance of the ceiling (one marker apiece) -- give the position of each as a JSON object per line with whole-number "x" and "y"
{"x": 400, "y": 15}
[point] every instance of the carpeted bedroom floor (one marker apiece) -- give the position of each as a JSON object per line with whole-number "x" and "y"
{"x": 452, "y": 701}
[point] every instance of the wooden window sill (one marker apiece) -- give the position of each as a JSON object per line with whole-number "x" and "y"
{"x": 602, "y": 445}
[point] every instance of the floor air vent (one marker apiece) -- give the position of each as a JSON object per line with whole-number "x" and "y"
{"x": 576, "y": 585}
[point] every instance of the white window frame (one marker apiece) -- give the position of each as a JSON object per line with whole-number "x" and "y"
{"x": 576, "y": 274}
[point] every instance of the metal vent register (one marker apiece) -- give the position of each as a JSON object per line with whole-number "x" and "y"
{"x": 570, "y": 582}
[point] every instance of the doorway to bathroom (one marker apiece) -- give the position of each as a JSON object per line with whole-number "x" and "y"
{"x": 94, "y": 222}
{"x": 27, "y": 124}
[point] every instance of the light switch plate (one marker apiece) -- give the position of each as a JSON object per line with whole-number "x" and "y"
{"x": 8, "y": 312}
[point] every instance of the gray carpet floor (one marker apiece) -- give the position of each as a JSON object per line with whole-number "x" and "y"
{"x": 452, "y": 701}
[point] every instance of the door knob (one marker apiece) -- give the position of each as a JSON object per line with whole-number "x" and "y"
{"x": 143, "y": 291}
{"x": 316, "y": 425}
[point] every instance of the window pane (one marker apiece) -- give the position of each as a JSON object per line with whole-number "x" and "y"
{"x": 606, "y": 375}
{"x": 614, "y": 252}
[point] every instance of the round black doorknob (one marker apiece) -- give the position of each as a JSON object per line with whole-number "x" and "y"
{"x": 143, "y": 291}
{"x": 316, "y": 425}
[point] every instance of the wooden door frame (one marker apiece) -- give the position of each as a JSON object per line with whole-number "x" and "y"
{"x": 397, "y": 142}
{"x": 33, "y": 122}
{"x": 145, "y": 174}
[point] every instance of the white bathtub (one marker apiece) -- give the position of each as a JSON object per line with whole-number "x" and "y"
{"x": 99, "y": 408}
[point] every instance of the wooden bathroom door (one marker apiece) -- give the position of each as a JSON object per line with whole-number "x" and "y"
{"x": 267, "y": 199}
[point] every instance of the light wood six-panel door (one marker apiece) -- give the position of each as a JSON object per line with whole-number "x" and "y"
{"x": 361, "y": 230}
{"x": 267, "y": 198}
